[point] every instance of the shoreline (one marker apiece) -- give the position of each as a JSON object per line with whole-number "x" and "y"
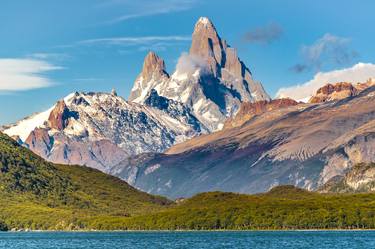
{"x": 183, "y": 231}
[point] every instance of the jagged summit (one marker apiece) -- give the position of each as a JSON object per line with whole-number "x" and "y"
{"x": 153, "y": 66}
{"x": 58, "y": 118}
{"x": 153, "y": 72}
{"x": 204, "y": 21}
{"x": 211, "y": 79}
{"x": 101, "y": 129}
{"x": 207, "y": 45}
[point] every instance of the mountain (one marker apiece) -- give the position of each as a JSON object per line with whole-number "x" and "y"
{"x": 304, "y": 145}
{"x": 249, "y": 110}
{"x": 339, "y": 91}
{"x": 35, "y": 194}
{"x": 100, "y": 130}
{"x": 210, "y": 79}
{"x": 38, "y": 195}
{"x": 360, "y": 178}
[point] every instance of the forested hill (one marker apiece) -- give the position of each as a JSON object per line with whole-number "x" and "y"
{"x": 36, "y": 194}
{"x": 284, "y": 207}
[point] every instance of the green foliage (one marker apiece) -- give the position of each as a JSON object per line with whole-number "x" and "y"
{"x": 38, "y": 195}
{"x": 35, "y": 194}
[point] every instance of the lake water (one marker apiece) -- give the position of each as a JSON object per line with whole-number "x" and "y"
{"x": 171, "y": 240}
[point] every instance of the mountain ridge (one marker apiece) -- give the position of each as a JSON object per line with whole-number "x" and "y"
{"x": 303, "y": 145}
{"x": 210, "y": 79}
{"x": 101, "y": 129}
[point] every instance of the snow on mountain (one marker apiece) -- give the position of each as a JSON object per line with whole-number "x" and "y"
{"x": 210, "y": 79}
{"x": 101, "y": 129}
{"x": 281, "y": 142}
{"x": 23, "y": 128}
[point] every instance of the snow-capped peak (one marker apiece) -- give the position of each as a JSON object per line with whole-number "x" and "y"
{"x": 204, "y": 20}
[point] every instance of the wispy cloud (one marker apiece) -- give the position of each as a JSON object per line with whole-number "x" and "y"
{"x": 329, "y": 49}
{"x": 52, "y": 56}
{"x": 24, "y": 74}
{"x": 143, "y": 8}
{"x": 264, "y": 34}
{"x": 145, "y": 43}
{"x": 126, "y": 41}
{"x": 358, "y": 73}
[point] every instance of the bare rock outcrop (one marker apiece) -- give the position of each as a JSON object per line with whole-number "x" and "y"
{"x": 249, "y": 110}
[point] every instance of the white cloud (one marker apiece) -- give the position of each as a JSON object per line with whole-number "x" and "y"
{"x": 129, "y": 41}
{"x": 143, "y": 8}
{"x": 189, "y": 64}
{"x": 24, "y": 74}
{"x": 358, "y": 73}
{"x": 52, "y": 56}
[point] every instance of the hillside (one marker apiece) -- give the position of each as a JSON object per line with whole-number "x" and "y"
{"x": 36, "y": 194}
{"x": 284, "y": 207}
{"x": 304, "y": 145}
{"x": 359, "y": 179}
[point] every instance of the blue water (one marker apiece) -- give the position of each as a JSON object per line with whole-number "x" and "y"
{"x": 172, "y": 240}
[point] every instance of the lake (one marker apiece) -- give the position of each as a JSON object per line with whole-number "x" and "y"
{"x": 171, "y": 240}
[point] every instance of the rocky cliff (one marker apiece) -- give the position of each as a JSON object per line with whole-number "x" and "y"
{"x": 210, "y": 79}
{"x": 100, "y": 129}
{"x": 305, "y": 145}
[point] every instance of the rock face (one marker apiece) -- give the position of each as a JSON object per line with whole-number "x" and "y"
{"x": 152, "y": 73}
{"x": 360, "y": 178}
{"x": 336, "y": 91}
{"x": 58, "y": 119}
{"x": 341, "y": 90}
{"x": 100, "y": 130}
{"x": 249, "y": 110}
{"x": 211, "y": 80}
{"x": 304, "y": 145}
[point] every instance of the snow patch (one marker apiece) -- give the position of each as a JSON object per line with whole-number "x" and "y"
{"x": 24, "y": 127}
{"x": 152, "y": 168}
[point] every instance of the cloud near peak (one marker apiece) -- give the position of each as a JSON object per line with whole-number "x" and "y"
{"x": 360, "y": 72}
{"x": 24, "y": 74}
{"x": 264, "y": 34}
{"x": 329, "y": 49}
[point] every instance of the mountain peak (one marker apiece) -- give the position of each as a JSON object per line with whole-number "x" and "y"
{"x": 207, "y": 45}
{"x": 153, "y": 72}
{"x": 205, "y": 21}
{"x": 58, "y": 118}
{"x": 211, "y": 80}
{"x": 153, "y": 66}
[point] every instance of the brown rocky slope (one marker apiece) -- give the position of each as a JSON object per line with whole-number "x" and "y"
{"x": 305, "y": 145}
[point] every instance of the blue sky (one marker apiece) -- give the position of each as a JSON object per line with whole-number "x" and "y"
{"x": 50, "y": 48}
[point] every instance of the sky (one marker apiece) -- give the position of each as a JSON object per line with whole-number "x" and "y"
{"x": 50, "y": 48}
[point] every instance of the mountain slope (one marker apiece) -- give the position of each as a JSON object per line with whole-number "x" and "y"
{"x": 99, "y": 129}
{"x": 40, "y": 195}
{"x": 304, "y": 145}
{"x": 360, "y": 178}
{"x": 211, "y": 79}
{"x": 340, "y": 90}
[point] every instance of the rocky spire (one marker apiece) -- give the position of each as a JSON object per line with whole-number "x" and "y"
{"x": 223, "y": 61}
{"x": 206, "y": 44}
{"x": 153, "y": 72}
{"x": 58, "y": 118}
{"x": 153, "y": 67}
